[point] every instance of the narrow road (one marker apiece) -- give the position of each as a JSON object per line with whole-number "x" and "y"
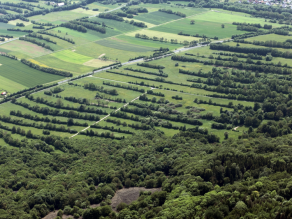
{"x": 108, "y": 115}
{"x": 9, "y": 41}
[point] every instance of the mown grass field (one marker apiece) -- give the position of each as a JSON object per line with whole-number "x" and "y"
{"x": 69, "y": 56}
{"x": 24, "y": 75}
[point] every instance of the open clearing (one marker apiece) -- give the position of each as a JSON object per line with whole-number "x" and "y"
{"x": 128, "y": 195}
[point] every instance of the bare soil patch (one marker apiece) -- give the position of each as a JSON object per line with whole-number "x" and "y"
{"x": 53, "y": 215}
{"x": 129, "y": 195}
{"x": 126, "y": 195}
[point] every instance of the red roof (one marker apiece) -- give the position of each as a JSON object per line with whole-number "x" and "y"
{"x": 3, "y": 93}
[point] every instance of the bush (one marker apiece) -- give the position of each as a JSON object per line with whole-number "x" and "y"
{"x": 122, "y": 206}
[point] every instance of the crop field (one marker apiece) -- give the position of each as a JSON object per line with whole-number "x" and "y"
{"x": 24, "y": 75}
{"x": 157, "y": 17}
{"x": 268, "y": 37}
{"x": 62, "y": 16}
{"x": 147, "y": 43}
{"x": 78, "y": 37}
{"x": 4, "y": 31}
{"x": 224, "y": 18}
{"x": 95, "y": 50}
{"x": 69, "y": 56}
{"x": 124, "y": 46}
{"x": 119, "y": 27}
{"x": 9, "y": 85}
{"x": 52, "y": 61}
{"x": 210, "y": 29}
{"x": 187, "y": 89}
{"x": 24, "y": 49}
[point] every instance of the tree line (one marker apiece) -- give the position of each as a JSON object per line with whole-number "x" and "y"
{"x": 36, "y": 42}
{"x": 47, "y": 69}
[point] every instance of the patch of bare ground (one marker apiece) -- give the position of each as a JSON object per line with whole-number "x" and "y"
{"x": 126, "y": 195}
{"x": 129, "y": 195}
{"x": 101, "y": 55}
{"x": 53, "y": 215}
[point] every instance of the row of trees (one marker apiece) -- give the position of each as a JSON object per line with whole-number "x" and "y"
{"x": 37, "y": 118}
{"x": 36, "y": 42}
{"x": 46, "y": 69}
{"x": 41, "y": 37}
{"x": 57, "y": 112}
{"x": 123, "y": 86}
{"x": 161, "y": 73}
{"x": 55, "y": 35}
{"x": 169, "y": 11}
{"x": 268, "y": 43}
{"x": 60, "y": 105}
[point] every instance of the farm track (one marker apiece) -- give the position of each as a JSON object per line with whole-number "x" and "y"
{"x": 8, "y": 41}
{"x": 109, "y": 114}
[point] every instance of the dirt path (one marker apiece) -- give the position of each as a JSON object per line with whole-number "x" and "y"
{"x": 236, "y": 127}
{"x": 101, "y": 55}
{"x": 108, "y": 115}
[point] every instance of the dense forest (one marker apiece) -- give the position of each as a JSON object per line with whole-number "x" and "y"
{"x": 244, "y": 178}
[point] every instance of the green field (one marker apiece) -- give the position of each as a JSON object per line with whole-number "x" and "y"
{"x": 124, "y": 46}
{"x": 10, "y": 85}
{"x": 60, "y": 64}
{"x": 146, "y": 43}
{"x": 210, "y": 29}
{"x": 4, "y": 31}
{"x": 95, "y": 50}
{"x": 24, "y": 49}
{"x": 69, "y": 56}
{"x": 24, "y": 75}
{"x": 157, "y": 17}
{"x": 119, "y": 27}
